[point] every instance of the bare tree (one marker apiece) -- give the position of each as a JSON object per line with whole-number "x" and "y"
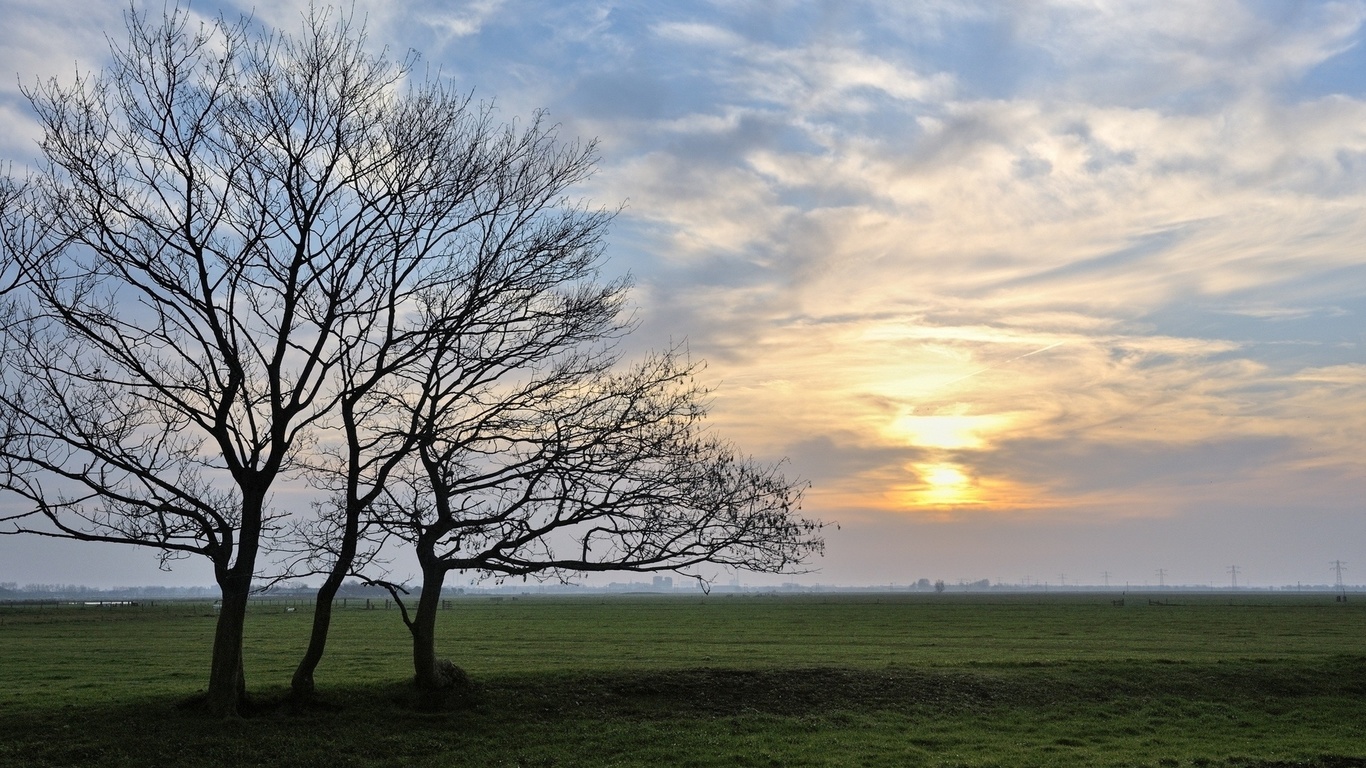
{"x": 219, "y": 260}
{"x": 10, "y": 193}
{"x": 21, "y": 233}
{"x": 569, "y": 468}
{"x": 492, "y": 229}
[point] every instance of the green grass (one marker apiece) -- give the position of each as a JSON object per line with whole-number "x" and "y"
{"x": 720, "y": 681}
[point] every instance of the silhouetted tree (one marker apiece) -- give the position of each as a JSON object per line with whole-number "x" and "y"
{"x": 220, "y": 259}
{"x": 564, "y": 467}
{"x": 10, "y": 193}
{"x": 494, "y": 234}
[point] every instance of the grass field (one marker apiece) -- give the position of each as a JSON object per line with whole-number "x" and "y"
{"x": 869, "y": 680}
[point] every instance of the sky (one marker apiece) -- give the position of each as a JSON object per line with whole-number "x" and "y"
{"x": 1045, "y": 292}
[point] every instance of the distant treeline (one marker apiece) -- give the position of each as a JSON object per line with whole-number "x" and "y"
{"x": 13, "y": 591}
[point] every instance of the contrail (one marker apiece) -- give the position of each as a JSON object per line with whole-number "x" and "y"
{"x": 998, "y": 365}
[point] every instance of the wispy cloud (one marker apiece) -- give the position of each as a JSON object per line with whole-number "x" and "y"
{"x": 1056, "y": 262}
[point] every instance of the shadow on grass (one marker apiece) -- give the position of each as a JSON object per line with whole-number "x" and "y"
{"x": 805, "y": 692}
{"x": 576, "y": 719}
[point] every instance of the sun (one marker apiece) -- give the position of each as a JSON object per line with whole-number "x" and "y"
{"x": 943, "y": 484}
{"x": 945, "y": 476}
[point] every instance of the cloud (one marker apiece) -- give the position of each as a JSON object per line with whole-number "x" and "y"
{"x": 900, "y": 270}
{"x": 1184, "y": 55}
{"x": 967, "y": 264}
{"x": 461, "y": 20}
{"x": 43, "y": 41}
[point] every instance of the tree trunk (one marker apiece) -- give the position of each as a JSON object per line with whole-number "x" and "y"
{"x": 426, "y": 675}
{"x": 301, "y": 686}
{"x": 227, "y": 683}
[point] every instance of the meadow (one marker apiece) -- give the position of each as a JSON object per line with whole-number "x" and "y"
{"x": 745, "y": 680}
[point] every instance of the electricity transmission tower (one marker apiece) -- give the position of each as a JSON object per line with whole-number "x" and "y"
{"x": 1338, "y": 567}
{"x": 1161, "y": 577}
{"x": 1233, "y": 571}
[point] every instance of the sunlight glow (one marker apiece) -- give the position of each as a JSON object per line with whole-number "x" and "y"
{"x": 943, "y": 484}
{"x": 952, "y": 432}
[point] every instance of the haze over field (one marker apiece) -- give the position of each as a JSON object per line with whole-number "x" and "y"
{"x": 1024, "y": 290}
